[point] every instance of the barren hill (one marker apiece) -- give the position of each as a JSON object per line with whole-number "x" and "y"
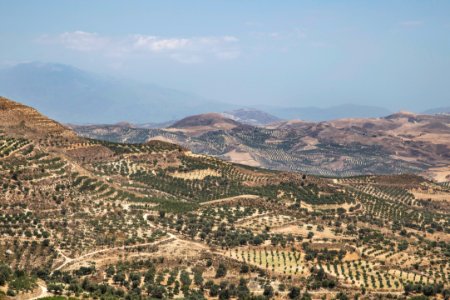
{"x": 16, "y": 117}
{"x": 198, "y": 124}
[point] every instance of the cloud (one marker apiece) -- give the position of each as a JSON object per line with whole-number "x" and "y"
{"x": 83, "y": 41}
{"x": 155, "y": 44}
{"x": 189, "y": 50}
{"x": 181, "y": 49}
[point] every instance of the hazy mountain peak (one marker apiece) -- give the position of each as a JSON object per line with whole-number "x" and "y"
{"x": 251, "y": 116}
{"x": 328, "y": 113}
{"x": 71, "y": 95}
{"x": 438, "y": 110}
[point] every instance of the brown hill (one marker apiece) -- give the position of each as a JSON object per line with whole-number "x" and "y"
{"x": 400, "y": 143}
{"x": 202, "y": 123}
{"x": 67, "y": 208}
{"x": 16, "y": 118}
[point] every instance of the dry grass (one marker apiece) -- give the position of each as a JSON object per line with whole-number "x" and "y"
{"x": 196, "y": 174}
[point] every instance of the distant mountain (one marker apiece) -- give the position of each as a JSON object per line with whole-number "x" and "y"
{"x": 72, "y": 95}
{"x": 251, "y": 116}
{"x": 438, "y": 110}
{"x": 325, "y": 114}
{"x": 154, "y": 125}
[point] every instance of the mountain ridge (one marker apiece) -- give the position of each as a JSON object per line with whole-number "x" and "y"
{"x": 72, "y": 95}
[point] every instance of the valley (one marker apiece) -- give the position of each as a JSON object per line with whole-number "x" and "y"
{"x": 116, "y": 214}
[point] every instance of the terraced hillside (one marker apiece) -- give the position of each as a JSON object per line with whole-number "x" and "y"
{"x": 96, "y": 219}
{"x": 398, "y": 144}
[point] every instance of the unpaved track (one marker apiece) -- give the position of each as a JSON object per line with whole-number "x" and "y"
{"x": 43, "y": 291}
{"x": 82, "y": 257}
{"x": 224, "y": 200}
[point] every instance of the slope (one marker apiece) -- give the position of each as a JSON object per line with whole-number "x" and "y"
{"x": 120, "y": 220}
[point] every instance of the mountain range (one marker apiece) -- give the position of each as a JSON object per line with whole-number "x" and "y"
{"x": 438, "y": 110}
{"x": 72, "y": 95}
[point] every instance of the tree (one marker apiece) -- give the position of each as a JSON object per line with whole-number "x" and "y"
{"x": 244, "y": 269}
{"x": 224, "y": 294}
{"x": 185, "y": 279}
{"x": 294, "y": 292}
{"x": 198, "y": 278}
{"x": 306, "y": 296}
{"x": 268, "y": 291}
{"x": 209, "y": 263}
{"x": 156, "y": 291}
{"x": 403, "y": 245}
{"x": 5, "y": 274}
{"x": 150, "y": 274}
{"x": 55, "y": 288}
{"x": 221, "y": 271}
{"x": 214, "y": 290}
{"x": 341, "y": 296}
{"x": 242, "y": 289}
{"x": 119, "y": 278}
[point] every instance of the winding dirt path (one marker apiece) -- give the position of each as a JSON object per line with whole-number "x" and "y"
{"x": 229, "y": 199}
{"x": 84, "y": 256}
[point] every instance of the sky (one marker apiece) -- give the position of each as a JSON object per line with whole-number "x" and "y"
{"x": 393, "y": 54}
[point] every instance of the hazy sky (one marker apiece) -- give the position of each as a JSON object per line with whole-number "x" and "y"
{"x": 394, "y": 54}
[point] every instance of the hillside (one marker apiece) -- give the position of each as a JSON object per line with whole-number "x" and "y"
{"x": 251, "y": 116}
{"x": 117, "y": 220}
{"x": 396, "y": 144}
{"x": 198, "y": 124}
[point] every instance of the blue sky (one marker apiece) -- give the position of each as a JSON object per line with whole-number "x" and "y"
{"x": 394, "y": 54}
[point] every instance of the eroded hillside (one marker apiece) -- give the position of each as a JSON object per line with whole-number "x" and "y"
{"x": 115, "y": 220}
{"x": 398, "y": 144}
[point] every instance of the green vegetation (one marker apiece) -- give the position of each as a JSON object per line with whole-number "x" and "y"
{"x": 104, "y": 220}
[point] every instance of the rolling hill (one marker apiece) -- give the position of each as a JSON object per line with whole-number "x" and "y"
{"x": 97, "y": 219}
{"x": 396, "y": 144}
